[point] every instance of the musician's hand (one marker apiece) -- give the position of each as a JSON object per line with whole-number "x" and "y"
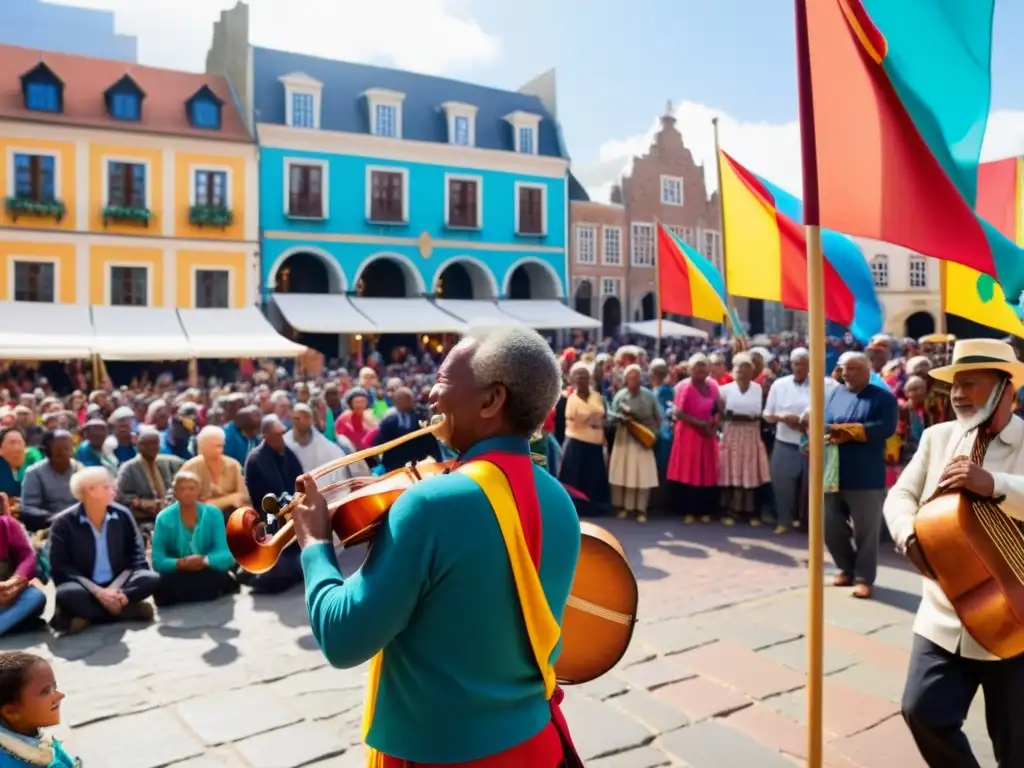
{"x": 311, "y": 518}
{"x": 916, "y": 556}
{"x": 963, "y": 474}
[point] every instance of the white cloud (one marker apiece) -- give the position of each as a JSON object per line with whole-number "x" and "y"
{"x": 424, "y": 36}
{"x": 770, "y": 150}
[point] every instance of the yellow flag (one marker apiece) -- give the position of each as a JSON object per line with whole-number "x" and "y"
{"x": 977, "y": 297}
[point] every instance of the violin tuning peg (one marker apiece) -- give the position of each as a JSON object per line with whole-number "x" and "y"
{"x": 272, "y": 504}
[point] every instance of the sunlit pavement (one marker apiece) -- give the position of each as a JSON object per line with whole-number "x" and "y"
{"x": 714, "y": 677}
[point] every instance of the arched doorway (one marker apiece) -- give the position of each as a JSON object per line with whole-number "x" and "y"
{"x": 465, "y": 279}
{"x": 611, "y": 316}
{"x": 919, "y": 324}
{"x": 387, "y": 277}
{"x": 584, "y": 302}
{"x": 647, "y": 310}
{"x": 307, "y": 272}
{"x": 532, "y": 280}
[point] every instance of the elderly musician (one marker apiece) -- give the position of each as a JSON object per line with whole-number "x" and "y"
{"x": 439, "y": 604}
{"x": 980, "y": 453}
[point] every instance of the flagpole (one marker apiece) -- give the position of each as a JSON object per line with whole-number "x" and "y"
{"x": 721, "y": 230}
{"x": 657, "y": 284}
{"x": 816, "y": 429}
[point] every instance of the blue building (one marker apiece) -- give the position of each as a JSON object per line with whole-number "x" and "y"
{"x": 64, "y": 29}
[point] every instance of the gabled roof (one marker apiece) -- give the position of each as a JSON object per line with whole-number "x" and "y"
{"x": 86, "y": 81}
{"x": 126, "y": 83}
{"x": 344, "y": 108}
{"x": 205, "y": 92}
{"x": 41, "y": 71}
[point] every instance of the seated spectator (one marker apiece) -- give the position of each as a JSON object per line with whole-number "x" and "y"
{"x": 97, "y": 558}
{"x": 93, "y": 450}
{"x": 46, "y": 489}
{"x": 311, "y": 447}
{"x": 122, "y": 423}
{"x": 220, "y": 477}
{"x": 240, "y": 436}
{"x": 144, "y": 483}
{"x": 177, "y": 438}
{"x": 21, "y": 602}
{"x": 190, "y": 548}
{"x": 15, "y": 459}
{"x": 398, "y": 422}
{"x": 357, "y": 423}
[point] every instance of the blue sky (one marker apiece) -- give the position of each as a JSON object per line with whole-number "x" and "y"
{"x": 617, "y": 62}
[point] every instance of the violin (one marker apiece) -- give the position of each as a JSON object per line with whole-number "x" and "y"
{"x": 357, "y": 505}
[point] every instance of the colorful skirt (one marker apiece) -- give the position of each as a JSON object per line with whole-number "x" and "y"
{"x": 743, "y": 458}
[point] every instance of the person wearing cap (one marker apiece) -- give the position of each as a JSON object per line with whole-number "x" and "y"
{"x": 121, "y": 421}
{"x": 357, "y": 423}
{"x": 981, "y": 453}
{"x": 93, "y": 451}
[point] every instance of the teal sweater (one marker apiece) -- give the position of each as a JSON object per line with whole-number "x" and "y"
{"x": 459, "y": 681}
{"x": 173, "y": 541}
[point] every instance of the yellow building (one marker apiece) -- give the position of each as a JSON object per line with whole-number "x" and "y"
{"x": 124, "y": 185}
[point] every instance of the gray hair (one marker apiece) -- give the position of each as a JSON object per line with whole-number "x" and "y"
{"x": 741, "y": 358}
{"x": 210, "y": 430}
{"x": 581, "y": 365}
{"x": 280, "y": 395}
{"x": 522, "y": 361}
{"x": 155, "y": 406}
{"x": 86, "y": 478}
{"x": 697, "y": 358}
{"x": 658, "y": 367}
{"x": 184, "y": 476}
{"x": 854, "y": 357}
{"x": 800, "y": 353}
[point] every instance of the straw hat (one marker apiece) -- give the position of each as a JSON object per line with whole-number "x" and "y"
{"x": 982, "y": 355}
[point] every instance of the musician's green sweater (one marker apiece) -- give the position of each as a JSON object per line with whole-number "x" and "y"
{"x": 436, "y": 592}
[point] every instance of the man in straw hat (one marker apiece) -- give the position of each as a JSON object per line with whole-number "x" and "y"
{"x": 947, "y": 664}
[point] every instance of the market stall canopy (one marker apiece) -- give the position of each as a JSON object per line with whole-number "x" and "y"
{"x": 231, "y": 333}
{"x": 670, "y": 329}
{"x": 31, "y": 330}
{"x": 547, "y": 314}
{"x": 473, "y": 311}
{"x": 322, "y": 313}
{"x": 407, "y": 316}
{"x": 139, "y": 333}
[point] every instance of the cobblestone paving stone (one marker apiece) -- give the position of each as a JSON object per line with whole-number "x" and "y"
{"x": 715, "y": 675}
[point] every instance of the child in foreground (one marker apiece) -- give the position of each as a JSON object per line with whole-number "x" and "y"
{"x": 29, "y": 701}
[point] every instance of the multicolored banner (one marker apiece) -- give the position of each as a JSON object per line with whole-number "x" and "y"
{"x": 688, "y": 284}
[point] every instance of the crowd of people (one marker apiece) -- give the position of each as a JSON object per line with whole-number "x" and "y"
{"x": 122, "y": 494}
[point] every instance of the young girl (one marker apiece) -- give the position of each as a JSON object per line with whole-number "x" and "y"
{"x": 29, "y": 701}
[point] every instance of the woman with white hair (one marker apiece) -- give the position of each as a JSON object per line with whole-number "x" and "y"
{"x": 583, "y": 466}
{"x": 190, "y": 548}
{"x": 693, "y": 464}
{"x": 97, "y": 558}
{"x": 220, "y": 477}
{"x": 632, "y": 470}
{"x": 743, "y": 459}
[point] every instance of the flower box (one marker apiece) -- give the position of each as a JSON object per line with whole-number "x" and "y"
{"x": 210, "y": 216}
{"x": 27, "y": 206}
{"x": 126, "y": 214}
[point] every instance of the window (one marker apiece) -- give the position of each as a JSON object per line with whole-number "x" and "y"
{"x": 42, "y": 97}
{"x": 302, "y": 110}
{"x": 686, "y": 234}
{"x": 460, "y": 130}
{"x": 530, "y": 210}
{"x": 613, "y": 246}
{"x": 34, "y": 177}
{"x": 129, "y": 286}
{"x": 305, "y": 191}
{"x": 880, "y": 270}
{"x": 711, "y": 248}
{"x": 387, "y": 199}
{"x": 586, "y": 244}
{"x": 211, "y": 189}
{"x": 212, "y": 288}
{"x": 918, "y": 272}
{"x": 671, "y": 190}
{"x": 125, "y": 106}
{"x": 33, "y": 281}
{"x": 463, "y": 202}
{"x": 526, "y": 143}
{"x": 126, "y": 185}
{"x": 205, "y": 114}
{"x": 609, "y": 286}
{"x": 387, "y": 120}
{"x": 642, "y": 245}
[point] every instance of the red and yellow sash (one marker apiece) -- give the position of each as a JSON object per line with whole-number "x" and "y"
{"x": 507, "y": 481}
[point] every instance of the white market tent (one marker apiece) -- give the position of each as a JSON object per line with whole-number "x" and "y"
{"x": 322, "y": 313}
{"x": 31, "y": 330}
{"x": 477, "y": 312}
{"x": 412, "y": 315}
{"x": 227, "y": 333}
{"x": 547, "y": 314}
{"x": 139, "y": 333}
{"x": 670, "y": 329}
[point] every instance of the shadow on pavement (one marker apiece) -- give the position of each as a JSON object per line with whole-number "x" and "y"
{"x": 185, "y": 623}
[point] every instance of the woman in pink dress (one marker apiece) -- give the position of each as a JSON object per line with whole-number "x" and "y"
{"x": 693, "y": 464}
{"x": 357, "y": 423}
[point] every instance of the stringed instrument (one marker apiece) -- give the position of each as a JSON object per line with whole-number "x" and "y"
{"x": 601, "y": 611}
{"x": 645, "y": 436}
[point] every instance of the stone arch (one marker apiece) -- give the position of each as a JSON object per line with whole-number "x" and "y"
{"x": 335, "y": 276}
{"x": 919, "y": 324}
{"x": 646, "y": 307}
{"x": 414, "y": 283}
{"x": 482, "y": 279}
{"x": 583, "y": 297}
{"x": 611, "y": 316}
{"x": 544, "y": 280}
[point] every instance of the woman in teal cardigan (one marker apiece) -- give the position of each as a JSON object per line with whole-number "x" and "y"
{"x": 190, "y": 548}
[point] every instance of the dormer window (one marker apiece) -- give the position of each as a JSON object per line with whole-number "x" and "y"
{"x": 385, "y": 112}
{"x": 525, "y": 127}
{"x": 42, "y": 89}
{"x": 204, "y": 109}
{"x": 124, "y": 100}
{"x": 302, "y": 96}
{"x": 461, "y": 123}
